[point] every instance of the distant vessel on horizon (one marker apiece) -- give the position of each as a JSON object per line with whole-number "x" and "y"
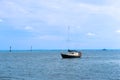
{"x": 104, "y": 49}
{"x": 10, "y": 49}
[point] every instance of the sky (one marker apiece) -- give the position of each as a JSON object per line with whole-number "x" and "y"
{"x": 43, "y": 24}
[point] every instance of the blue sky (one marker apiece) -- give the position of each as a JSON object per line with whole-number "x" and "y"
{"x": 94, "y": 24}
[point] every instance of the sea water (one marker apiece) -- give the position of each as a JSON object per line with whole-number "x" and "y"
{"x": 48, "y": 65}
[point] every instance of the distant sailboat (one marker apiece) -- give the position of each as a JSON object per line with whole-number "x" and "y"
{"x": 104, "y": 49}
{"x": 10, "y": 49}
{"x": 71, "y": 53}
{"x": 31, "y": 48}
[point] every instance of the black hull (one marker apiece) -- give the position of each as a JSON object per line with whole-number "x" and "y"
{"x": 69, "y": 56}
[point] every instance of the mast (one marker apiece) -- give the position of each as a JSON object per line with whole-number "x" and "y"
{"x": 31, "y": 48}
{"x": 68, "y": 38}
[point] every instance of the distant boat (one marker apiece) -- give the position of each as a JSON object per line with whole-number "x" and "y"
{"x": 104, "y": 49}
{"x": 71, "y": 54}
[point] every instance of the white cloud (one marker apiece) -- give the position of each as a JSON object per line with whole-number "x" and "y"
{"x": 91, "y": 34}
{"x": 1, "y": 20}
{"x": 112, "y": 8}
{"x": 90, "y": 8}
{"x": 28, "y": 28}
{"x": 11, "y": 9}
{"x": 117, "y": 31}
{"x": 55, "y": 12}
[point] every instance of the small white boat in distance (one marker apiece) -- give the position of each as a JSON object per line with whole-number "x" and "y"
{"x": 71, "y": 54}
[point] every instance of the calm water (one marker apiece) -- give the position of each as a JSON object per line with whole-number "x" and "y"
{"x": 48, "y": 65}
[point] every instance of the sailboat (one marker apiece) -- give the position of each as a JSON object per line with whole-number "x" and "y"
{"x": 71, "y": 53}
